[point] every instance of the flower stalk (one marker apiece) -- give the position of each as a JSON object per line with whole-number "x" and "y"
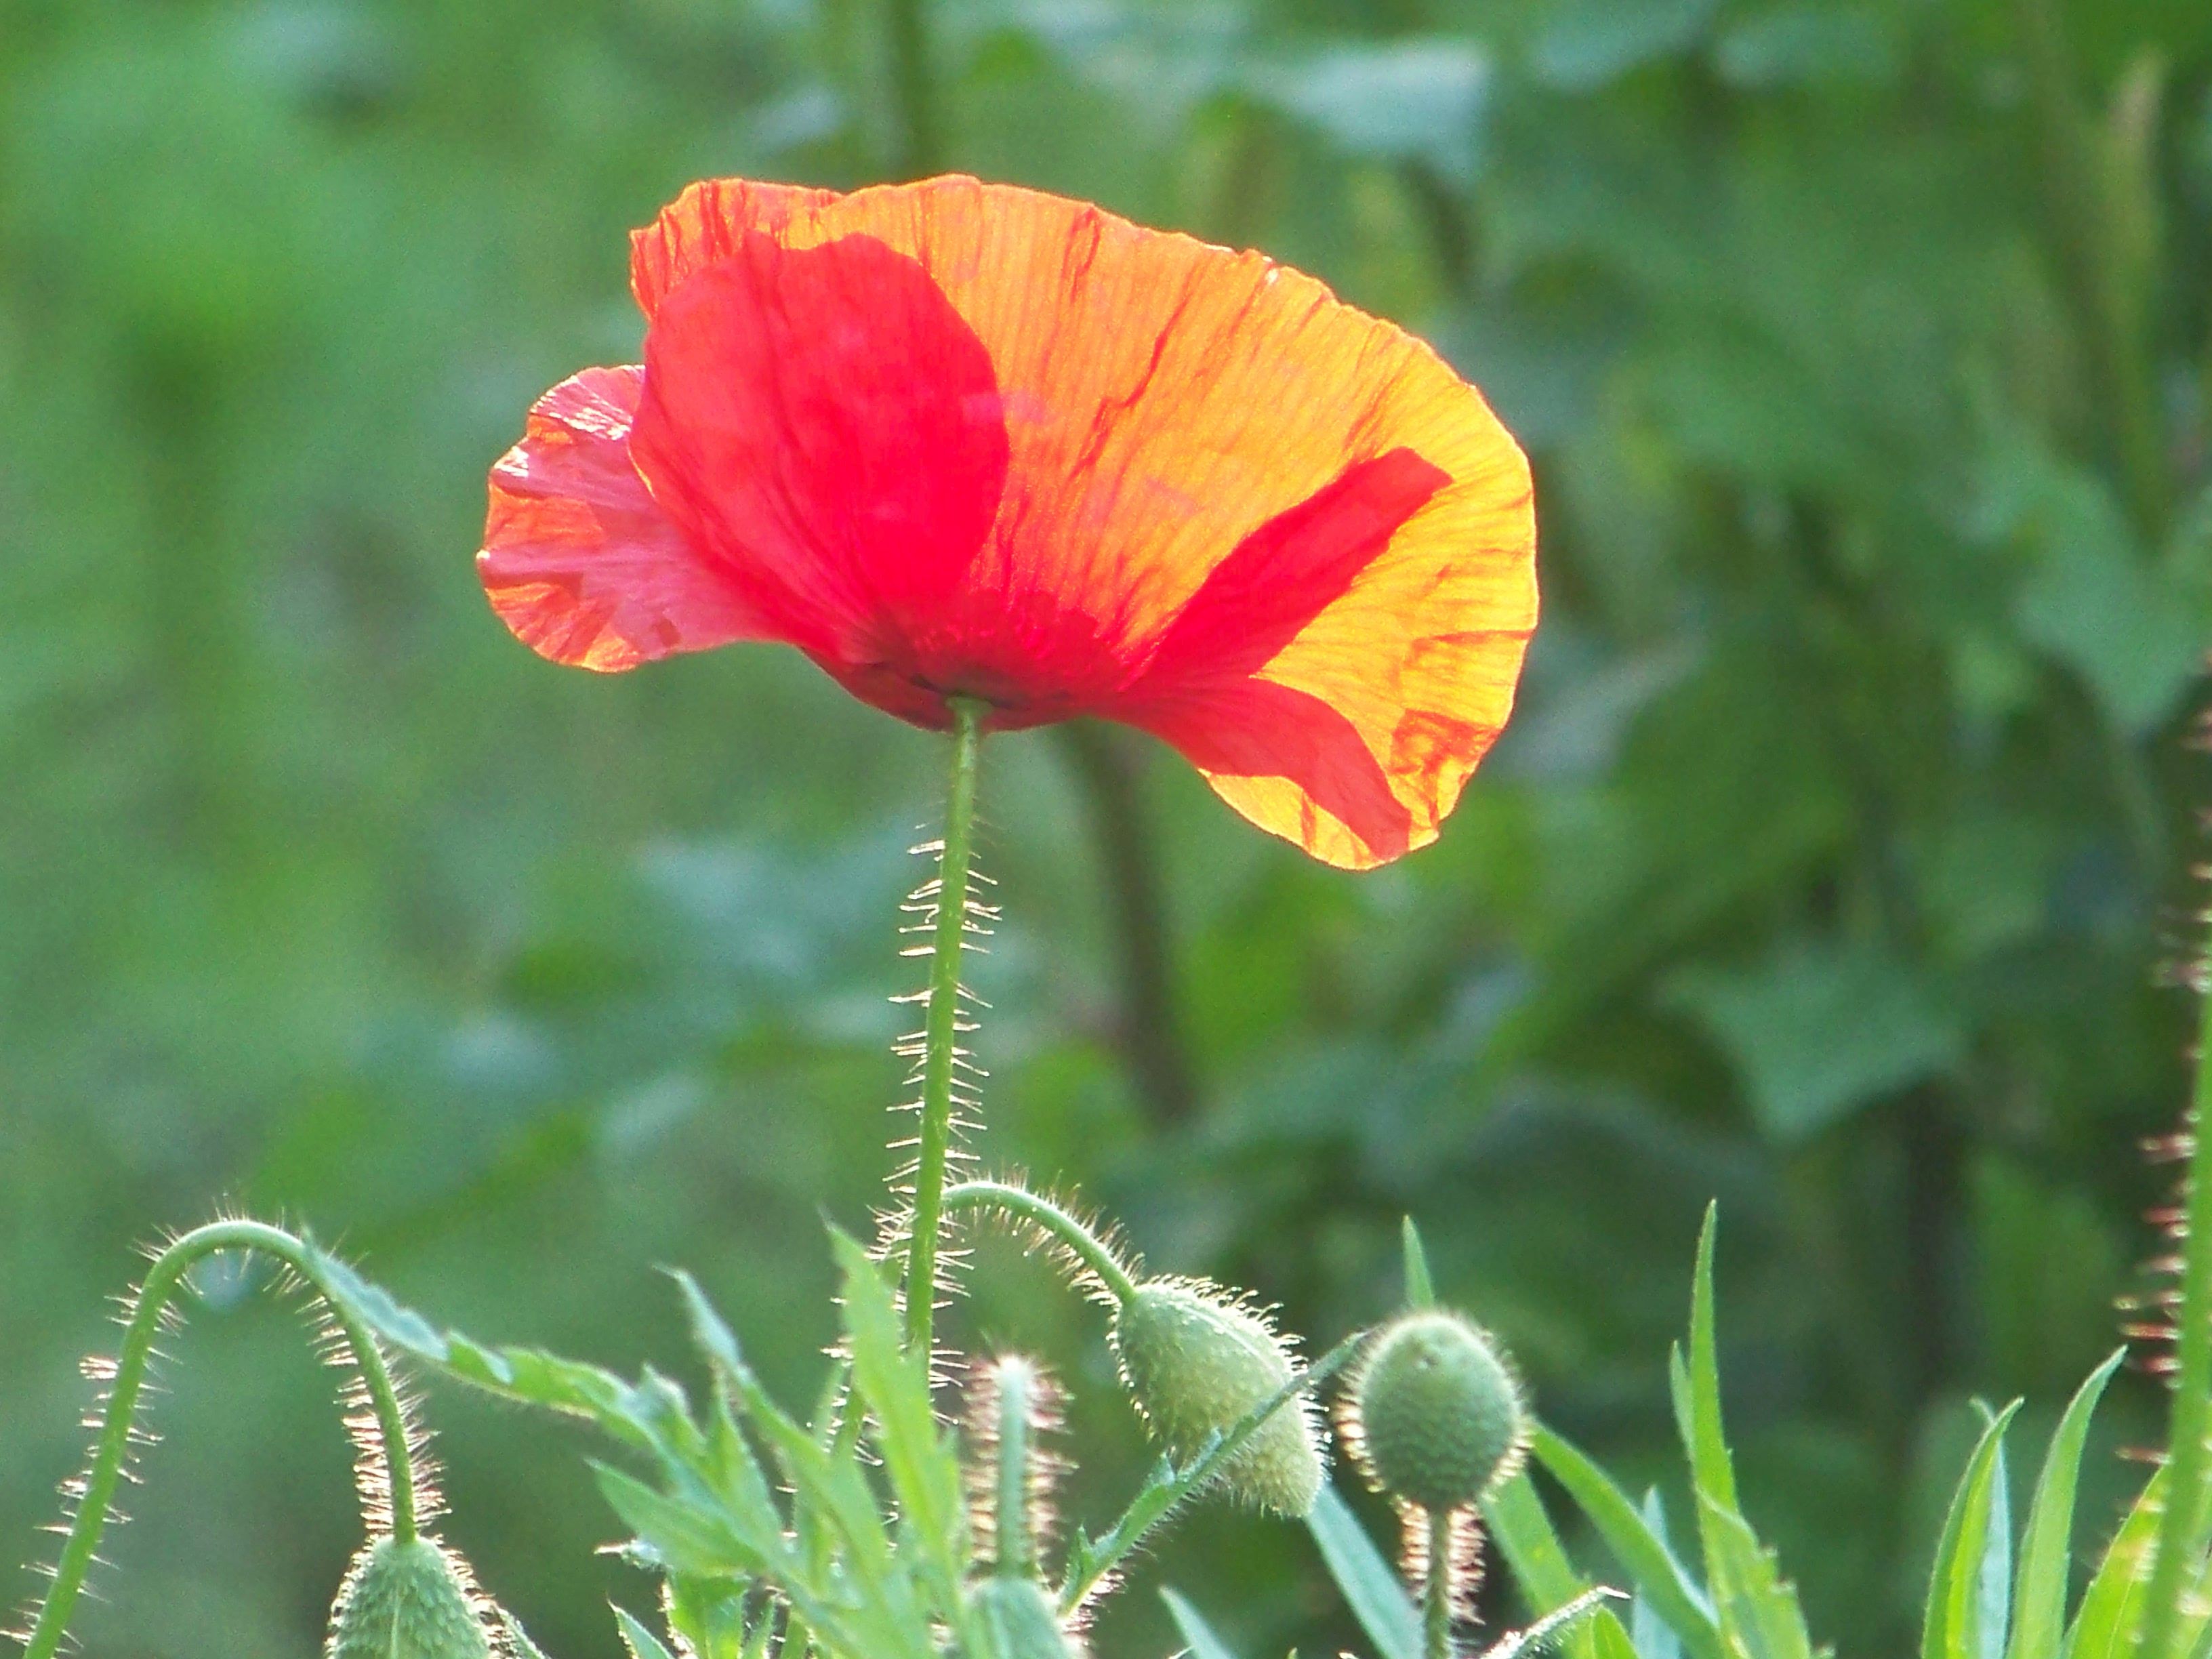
{"x": 1437, "y": 1592}
{"x": 2189, "y": 1460}
{"x": 1035, "y": 1210}
{"x": 942, "y": 1025}
{"x": 111, "y": 1451}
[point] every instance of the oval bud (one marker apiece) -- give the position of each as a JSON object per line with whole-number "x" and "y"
{"x": 411, "y": 1601}
{"x": 1018, "y": 1621}
{"x": 1435, "y": 1416}
{"x": 1194, "y": 1360}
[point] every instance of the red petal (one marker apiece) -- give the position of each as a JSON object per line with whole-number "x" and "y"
{"x": 1172, "y": 413}
{"x": 577, "y": 559}
{"x": 1254, "y": 729}
{"x": 1291, "y": 569}
{"x": 822, "y": 420}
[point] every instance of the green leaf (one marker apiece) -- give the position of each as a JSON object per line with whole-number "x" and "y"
{"x": 1961, "y": 1623}
{"x": 2046, "y": 1550}
{"x": 1808, "y": 45}
{"x": 1369, "y": 1584}
{"x": 2097, "y": 604}
{"x": 1197, "y": 1634}
{"x": 1515, "y": 1515}
{"x": 1698, "y": 1383}
{"x": 1405, "y": 100}
{"x": 1757, "y": 1608}
{"x": 1654, "y": 1637}
{"x": 2106, "y": 1625}
{"x": 1538, "y": 1635}
{"x": 1821, "y": 1028}
{"x": 641, "y": 1643}
{"x": 1590, "y": 43}
{"x": 924, "y": 1471}
{"x": 1651, "y": 1566}
{"x": 684, "y": 1537}
{"x": 1420, "y": 1290}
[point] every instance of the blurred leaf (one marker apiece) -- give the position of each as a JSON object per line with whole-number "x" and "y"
{"x": 1197, "y": 1634}
{"x": 1407, "y": 100}
{"x": 1590, "y": 43}
{"x": 1807, "y": 42}
{"x": 2096, "y": 603}
{"x": 1370, "y": 1583}
{"x": 637, "y": 1641}
{"x": 1548, "y": 1580}
{"x": 1652, "y": 1568}
{"x": 1822, "y": 1029}
{"x": 1654, "y": 1637}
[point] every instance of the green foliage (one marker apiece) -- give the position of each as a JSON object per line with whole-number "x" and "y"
{"x": 1978, "y": 1604}
{"x": 1871, "y": 458}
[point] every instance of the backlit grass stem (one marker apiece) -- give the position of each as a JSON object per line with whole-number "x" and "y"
{"x": 111, "y": 1452}
{"x": 941, "y": 1027}
{"x": 2188, "y": 1464}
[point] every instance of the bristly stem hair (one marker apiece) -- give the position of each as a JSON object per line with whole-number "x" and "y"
{"x": 941, "y": 1026}
{"x": 1085, "y": 1247}
{"x": 392, "y": 1485}
{"x": 1437, "y": 1607}
{"x": 2188, "y": 1459}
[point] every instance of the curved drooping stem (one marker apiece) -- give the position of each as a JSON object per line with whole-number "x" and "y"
{"x": 112, "y": 1450}
{"x": 942, "y": 1025}
{"x": 2189, "y": 1460}
{"x": 1065, "y": 1229}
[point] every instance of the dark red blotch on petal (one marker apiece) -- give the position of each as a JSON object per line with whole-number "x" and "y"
{"x": 823, "y": 421}
{"x": 1202, "y": 689}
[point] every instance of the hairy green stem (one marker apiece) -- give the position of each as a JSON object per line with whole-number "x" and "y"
{"x": 941, "y": 1027}
{"x": 111, "y": 1452}
{"x": 1437, "y": 1594}
{"x": 2181, "y": 1533}
{"x": 1040, "y": 1211}
{"x": 1016, "y": 1558}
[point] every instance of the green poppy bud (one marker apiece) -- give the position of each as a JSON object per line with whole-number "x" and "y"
{"x": 1195, "y": 1360}
{"x": 411, "y": 1601}
{"x": 1435, "y": 1416}
{"x": 1018, "y": 1621}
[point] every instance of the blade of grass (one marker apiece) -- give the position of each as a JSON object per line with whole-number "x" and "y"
{"x": 1956, "y": 1623}
{"x": 1650, "y": 1565}
{"x": 2045, "y": 1553}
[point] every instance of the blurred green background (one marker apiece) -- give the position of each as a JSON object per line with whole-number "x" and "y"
{"x": 1831, "y": 867}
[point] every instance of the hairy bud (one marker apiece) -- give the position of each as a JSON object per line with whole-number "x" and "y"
{"x": 1435, "y": 1416}
{"x": 1195, "y": 1359}
{"x": 1018, "y": 1621}
{"x": 407, "y": 1600}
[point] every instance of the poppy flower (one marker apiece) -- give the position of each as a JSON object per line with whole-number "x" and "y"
{"x": 952, "y": 438}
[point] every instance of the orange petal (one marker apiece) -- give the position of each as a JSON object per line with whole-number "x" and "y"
{"x": 1166, "y": 403}
{"x": 578, "y": 560}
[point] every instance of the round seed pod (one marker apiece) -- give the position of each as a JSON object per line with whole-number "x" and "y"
{"x": 1435, "y": 1416}
{"x": 1194, "y": 1360}
{"x": 1018, "y": 1621}
{"x": 411, "y": 1601}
